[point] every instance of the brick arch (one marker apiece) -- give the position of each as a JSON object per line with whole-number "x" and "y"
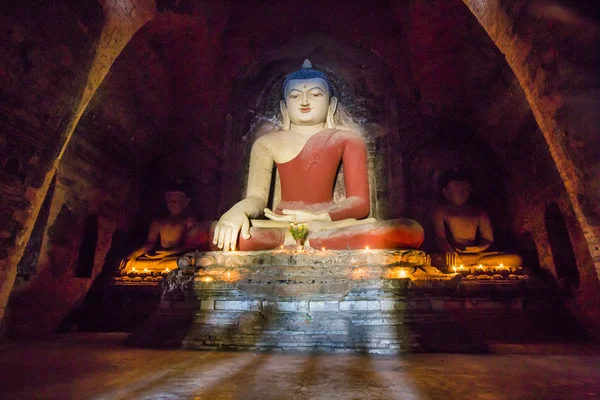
{"x": 122, "y": 19}
{"x": 492, "y": 15}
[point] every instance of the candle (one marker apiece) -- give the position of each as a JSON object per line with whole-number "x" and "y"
{"x": 480, "y": 266}
{"x": 454, "y": 268}
{"x": 402, "y": 273}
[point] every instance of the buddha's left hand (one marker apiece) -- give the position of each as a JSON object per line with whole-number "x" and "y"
{"x": 471, "y": 249}
{"x": 297, "y": 216}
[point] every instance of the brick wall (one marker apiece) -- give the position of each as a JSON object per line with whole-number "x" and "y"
{"x": 57, "y": 58}
{"x": 535, "y": 41}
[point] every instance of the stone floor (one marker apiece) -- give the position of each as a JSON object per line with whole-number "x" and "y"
{"x": 97, "y": 366}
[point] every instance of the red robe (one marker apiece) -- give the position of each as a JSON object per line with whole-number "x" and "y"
{"x": 307, "y": 183}
{"x": 307, "y": 180}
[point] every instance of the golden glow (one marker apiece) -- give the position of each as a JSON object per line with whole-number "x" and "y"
{"x": 367, "y": 248}
{"x": 501, "y": 266}
{"x": 462, "y": 266}
{"x": 323, "y": 248}
{"x": 480, "y": 266}
{"x": 207, "y": 279}
{"x": 281, "y": 247}
{"x": 402, "y": 274}
{"x": 357, "y": 273}
{"x": 454, "y": 268}
{"x": 229, "y": 276}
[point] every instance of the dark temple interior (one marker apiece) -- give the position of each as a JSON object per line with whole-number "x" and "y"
{"x": 104, "y": 103}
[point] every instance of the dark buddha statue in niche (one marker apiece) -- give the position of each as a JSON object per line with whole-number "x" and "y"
{"x": 463, "y": 231}
{"x": 166, "y": 237}
{"x": 308, "y": 151}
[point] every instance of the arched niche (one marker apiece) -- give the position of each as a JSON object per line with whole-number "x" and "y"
{"x": 87, "y": 249}
{"x": 565, "y": 263}
{"x": 365, "y": 90}
{"x": 450, "y": 148}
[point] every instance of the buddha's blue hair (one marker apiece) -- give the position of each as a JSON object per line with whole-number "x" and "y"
{"x": 307, "y": 73}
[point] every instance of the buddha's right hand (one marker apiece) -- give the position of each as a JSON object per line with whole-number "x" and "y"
{"x": 231, "y": 224}
{"x": 452, "y": 259}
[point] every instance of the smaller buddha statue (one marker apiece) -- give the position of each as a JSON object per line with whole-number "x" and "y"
{"x": 166, "y": 237}
{"x": 463, "y": 231}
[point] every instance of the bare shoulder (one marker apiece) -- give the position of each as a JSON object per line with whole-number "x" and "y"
{"x": 474, "y": 211}
{"x": 270, "y": 137}
{"x": 269, "y": 142}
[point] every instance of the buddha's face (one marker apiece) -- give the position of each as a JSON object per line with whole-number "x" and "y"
{"x": 307, "y": 101}
{"x": 177, "y": 202}
{"x": 457, "y": 192}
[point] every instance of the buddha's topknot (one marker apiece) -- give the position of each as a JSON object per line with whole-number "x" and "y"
{"x": 307, "y": 72}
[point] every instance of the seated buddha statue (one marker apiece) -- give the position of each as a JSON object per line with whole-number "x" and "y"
{"x": 166, "y": 236}
{"x": 463, "y": 231}
{"x": 307, "y": 152}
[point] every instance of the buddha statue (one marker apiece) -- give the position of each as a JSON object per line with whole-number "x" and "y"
{"x": 166, "y": 236}
{"x": 463, "y": 231}
{"x": 307, "y": 152}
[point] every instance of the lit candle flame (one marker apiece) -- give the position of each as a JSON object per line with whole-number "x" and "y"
{"x": 207, "y": 279}
{"x": 323, "y": 248}
{"x": 402, "y": 274}
{"x": 454, "y": 268}
{"x": 462, "y": 266}
{"x": 480, "y": 266}
{"x": 501, "y": 265}
{"x": 367, "y": 248}
{"x": 228, "y": 275}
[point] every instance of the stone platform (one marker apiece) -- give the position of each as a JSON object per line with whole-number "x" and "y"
{"x": 341, "y": 301}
